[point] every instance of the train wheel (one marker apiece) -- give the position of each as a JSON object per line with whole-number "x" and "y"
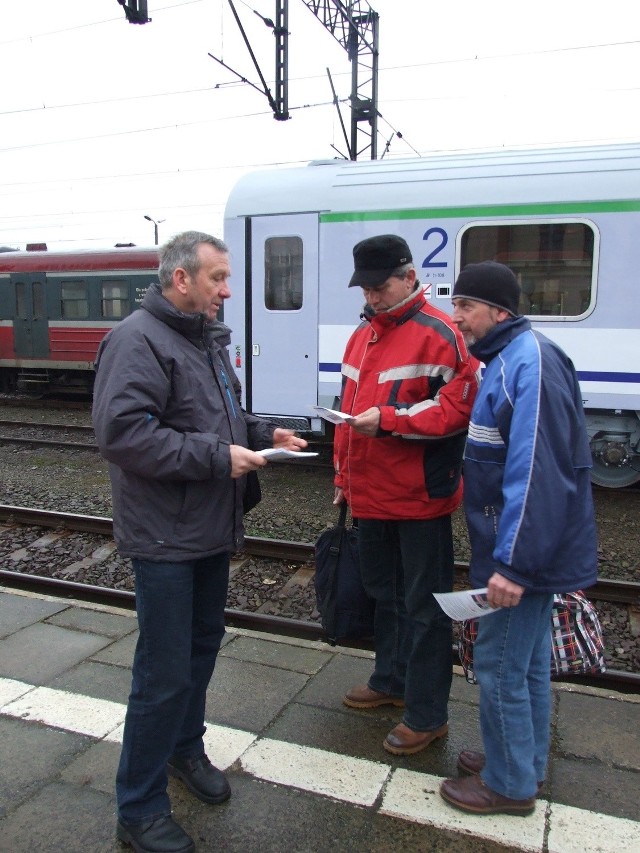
{"x": 613, "y": 476}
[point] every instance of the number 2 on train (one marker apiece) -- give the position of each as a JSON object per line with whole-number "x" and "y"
{"x": 428, "y": 262}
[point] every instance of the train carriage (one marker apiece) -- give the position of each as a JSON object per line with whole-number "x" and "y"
{"x": 55, "y": 308}
{"x": 567, "y": 221}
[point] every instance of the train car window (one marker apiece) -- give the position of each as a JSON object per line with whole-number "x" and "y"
{"x": 39, "y": 310}
{"x": 21, "y": 301}
{"x": 115, "y": 299}
{"x": 553, "y": 262}
{"x": 30, "y": 300}
{"x": 283, "y": 273}
{"x": 74, "y": 300}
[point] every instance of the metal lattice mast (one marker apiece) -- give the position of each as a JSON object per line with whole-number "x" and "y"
{"x": 354, "y": 25}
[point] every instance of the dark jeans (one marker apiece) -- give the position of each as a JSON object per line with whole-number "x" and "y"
{"x": 180, "y": 610}
{"x": 402, "y": 564}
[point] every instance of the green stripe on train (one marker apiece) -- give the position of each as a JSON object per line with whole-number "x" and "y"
{"x": 543, "y": 208}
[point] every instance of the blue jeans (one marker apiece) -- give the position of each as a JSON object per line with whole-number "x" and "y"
{"x": 180, "y": 609}
{"x": 512, "y": 661}
{"x": 402, "y": 564}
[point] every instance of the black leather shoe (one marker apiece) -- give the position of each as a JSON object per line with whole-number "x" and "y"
{"x": 200, "y": 776}
{"x": 162, "y": 835}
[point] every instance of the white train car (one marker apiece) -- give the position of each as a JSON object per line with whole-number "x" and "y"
{"x": 566, "y": 220}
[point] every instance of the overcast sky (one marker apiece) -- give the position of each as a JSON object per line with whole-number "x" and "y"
{"x": 102, "y": 122}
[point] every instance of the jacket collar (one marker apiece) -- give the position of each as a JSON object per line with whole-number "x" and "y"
{"x": 400, "y": 313}
{"x": 498, "y": 338}
{"x": 195, "y": 327}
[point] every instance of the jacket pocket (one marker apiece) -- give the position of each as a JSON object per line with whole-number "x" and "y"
{"x": 443, "y": 465}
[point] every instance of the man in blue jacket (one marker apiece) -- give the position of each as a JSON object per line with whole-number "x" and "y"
{"x": 530, "y": 515}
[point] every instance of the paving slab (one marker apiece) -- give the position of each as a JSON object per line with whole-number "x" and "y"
{"x": 40, "y": 652}
{"x": 588, "y": 784}
{"x": 30, "y": 755}
{"x": 18, "y": 611}
{"x": 62, "y": 819}
{"x": 119, "y": 653}
{"x": 107, "y": 624}
{"x": 273, "y": 653}
{"x": 95, "y": 767}
{"x": 249, "y": 695}
{"x": 594, "y": 727}
{"x": 100, "y": 680}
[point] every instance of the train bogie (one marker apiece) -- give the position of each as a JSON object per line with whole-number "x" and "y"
{"x": 567, "y": 221}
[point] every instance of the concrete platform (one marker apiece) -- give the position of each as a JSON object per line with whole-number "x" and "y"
{"x": 308, "y": 774}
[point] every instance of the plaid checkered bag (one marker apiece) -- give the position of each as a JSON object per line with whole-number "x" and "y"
{"x": 577, "y": 645}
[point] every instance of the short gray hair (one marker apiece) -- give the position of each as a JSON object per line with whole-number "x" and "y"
{"x": 401, "y": 272}
{"x": 182, "y": 251}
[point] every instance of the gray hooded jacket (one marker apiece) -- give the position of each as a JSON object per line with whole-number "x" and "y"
{"x": 165, "y": 410}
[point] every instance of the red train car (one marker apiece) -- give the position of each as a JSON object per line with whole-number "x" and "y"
{"x": 55, "y": 308}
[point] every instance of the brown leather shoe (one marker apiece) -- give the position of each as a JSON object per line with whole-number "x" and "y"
{"x": 404, "y": 741}
{"x": 363, "y": 696}
{"x": 471, "y": 761}
{"x": 472, "y": 795}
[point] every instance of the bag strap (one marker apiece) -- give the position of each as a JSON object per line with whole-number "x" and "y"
{"x": 337, "y": 539}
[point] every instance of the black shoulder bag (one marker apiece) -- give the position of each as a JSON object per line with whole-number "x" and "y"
{"x": 345, "y": 608}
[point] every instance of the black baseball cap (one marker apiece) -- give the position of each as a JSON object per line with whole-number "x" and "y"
{"x": 376, "y": 258}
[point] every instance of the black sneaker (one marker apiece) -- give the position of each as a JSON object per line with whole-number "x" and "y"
{"x": 162, "y": 835}
{"x": 200, "y": 776}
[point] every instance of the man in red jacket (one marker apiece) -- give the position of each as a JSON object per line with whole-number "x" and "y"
{"x": 410, "y": 384}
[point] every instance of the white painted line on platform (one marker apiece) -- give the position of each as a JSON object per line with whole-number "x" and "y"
{"x": 354, "y": 780}
{"x": 11, "y": 689}
{"x": 406, "y": 794}
{"x": 574, "y": 830}
{"x": 224, "y": 746}
{"x": 71, "y": 711}
{"x": 415, "y": 796}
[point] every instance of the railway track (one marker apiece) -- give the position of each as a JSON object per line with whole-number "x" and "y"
{"x": 12, "y": 432}
{"x": 622, "y": 593}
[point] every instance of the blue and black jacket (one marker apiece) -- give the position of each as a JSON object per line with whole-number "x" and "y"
{"x": 527, "y": 465}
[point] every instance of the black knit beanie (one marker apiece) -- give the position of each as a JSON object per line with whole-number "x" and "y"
{"x": 489, "y": 282}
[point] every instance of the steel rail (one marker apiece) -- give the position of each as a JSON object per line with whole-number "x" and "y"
{"x": 44, "y": 425}
{"x": 605, "y": 589}
{"x": 47, "y": 442}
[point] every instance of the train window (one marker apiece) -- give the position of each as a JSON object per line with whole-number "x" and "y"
{"x": 553, "y": 262}
{"x": 283, "y": 273}
{"x": 74, "y": 300}
{"x": 30, "y": 300}
{"x": 22, "y": 305}
{"x": 115, "y": 299}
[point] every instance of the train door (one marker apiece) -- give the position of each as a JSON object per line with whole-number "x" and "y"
{"x": 284, "y": 314}
{"x": 30, "y": 324}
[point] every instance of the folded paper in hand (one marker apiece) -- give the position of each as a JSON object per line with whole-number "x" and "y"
{"x": 468, "y": 604}
{"x": 333, "y": 416}
{"x": 275, "y": 453}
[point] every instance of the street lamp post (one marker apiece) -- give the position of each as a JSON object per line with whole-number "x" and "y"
{"x": 155, "y": 226}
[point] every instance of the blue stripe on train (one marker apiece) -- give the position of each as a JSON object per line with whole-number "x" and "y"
{"x": 585, "y": 375}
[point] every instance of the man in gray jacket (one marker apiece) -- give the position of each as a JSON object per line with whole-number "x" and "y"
{"x": 168, "y": 419}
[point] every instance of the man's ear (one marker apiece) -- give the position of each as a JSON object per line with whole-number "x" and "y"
{"x": 181, "y": 280}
